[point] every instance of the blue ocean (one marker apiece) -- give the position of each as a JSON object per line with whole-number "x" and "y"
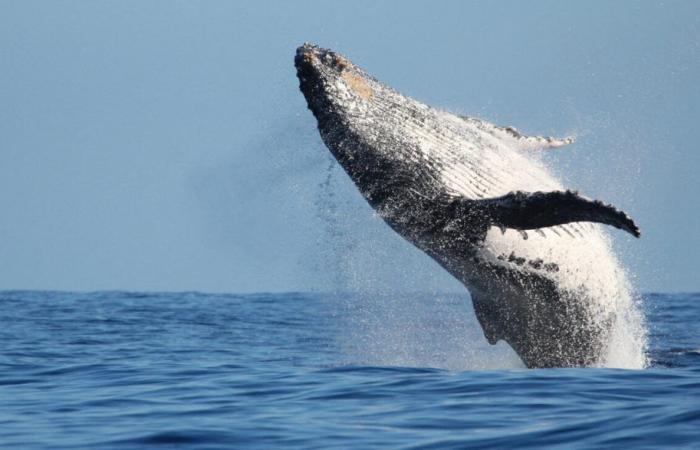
{"x": 130, "y": 370}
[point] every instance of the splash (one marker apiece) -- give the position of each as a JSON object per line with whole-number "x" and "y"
{"x": 387, "y": 323}
{"x": 394, "y": 305}
{"x": 435, "y": 330}
{"x": 628, "y": 344}
{"x": 399, "y": 313}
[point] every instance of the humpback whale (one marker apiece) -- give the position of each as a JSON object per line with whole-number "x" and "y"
{"x": 474, "y": 196}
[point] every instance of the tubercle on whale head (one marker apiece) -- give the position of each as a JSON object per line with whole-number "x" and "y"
{"x": 313, "y": 60}
{"x": 321, "y": 71}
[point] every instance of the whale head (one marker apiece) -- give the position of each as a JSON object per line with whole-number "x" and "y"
{"x": 363, "y": 123}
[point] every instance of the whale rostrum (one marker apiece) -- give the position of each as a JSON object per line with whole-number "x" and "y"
{"x": 475, "y": 198}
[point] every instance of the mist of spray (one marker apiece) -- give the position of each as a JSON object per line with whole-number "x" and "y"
{"x": 389, "y": 324}
{"x": 395, "y": 306}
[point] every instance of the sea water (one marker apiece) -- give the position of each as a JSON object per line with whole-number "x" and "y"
{"x": 189, "y": 370}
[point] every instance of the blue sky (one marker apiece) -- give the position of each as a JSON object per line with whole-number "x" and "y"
{"x": 165, "y": 145}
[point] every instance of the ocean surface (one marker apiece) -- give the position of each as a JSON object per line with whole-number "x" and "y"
{"x": 129, "y": 370}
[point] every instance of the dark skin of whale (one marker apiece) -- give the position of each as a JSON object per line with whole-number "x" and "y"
{"x": 391, "y": 147}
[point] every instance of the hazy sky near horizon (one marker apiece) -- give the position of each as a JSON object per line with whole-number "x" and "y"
{"x": 165, "y": 145}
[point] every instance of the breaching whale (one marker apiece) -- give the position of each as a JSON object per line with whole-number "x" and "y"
{"x": 474, "y": 197}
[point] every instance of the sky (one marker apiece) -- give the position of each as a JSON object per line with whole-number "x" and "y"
{"x": 165, "y": 145}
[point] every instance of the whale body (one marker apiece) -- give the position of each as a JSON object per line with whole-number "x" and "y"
{"x": 474, "y": 197}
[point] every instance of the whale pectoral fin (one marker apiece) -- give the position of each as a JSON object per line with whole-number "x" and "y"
{"x": 516, "y": 138}
{"x": 539, "y": 142}
{"x": 524, "y": 142}
{"x": 531, "y": 210}
{"x": 486, "y": 314}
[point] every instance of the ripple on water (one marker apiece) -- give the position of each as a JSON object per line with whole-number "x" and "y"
{"x": 133, "y": 370}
